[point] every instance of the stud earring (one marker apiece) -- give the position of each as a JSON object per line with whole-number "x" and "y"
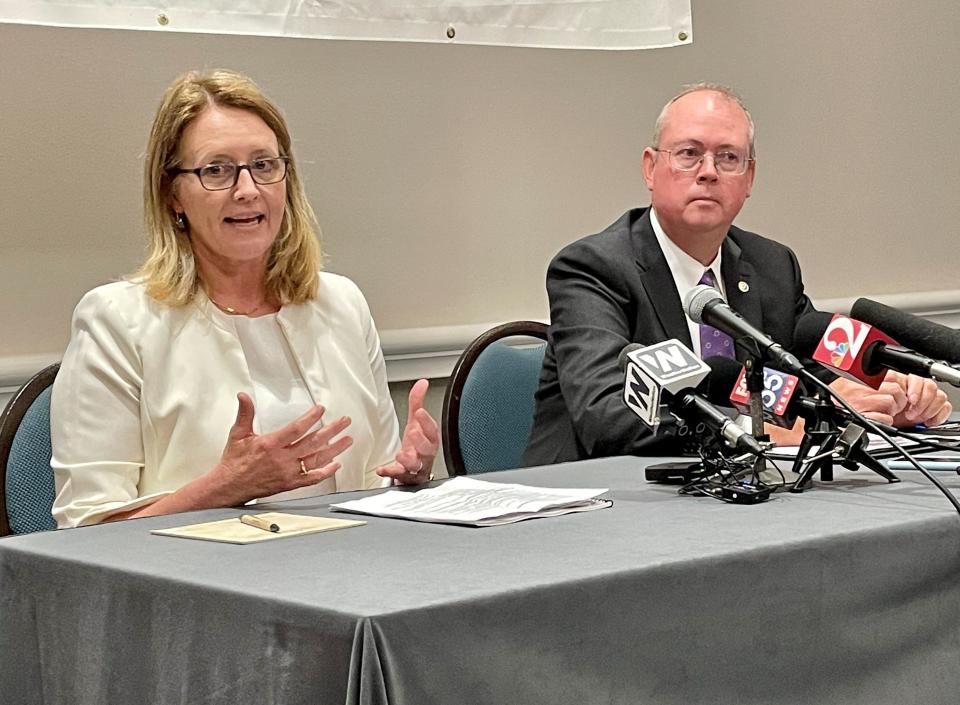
{"x": 181, "y": 221}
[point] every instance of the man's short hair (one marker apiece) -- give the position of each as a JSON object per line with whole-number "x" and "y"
{"x": 723, "y": 90}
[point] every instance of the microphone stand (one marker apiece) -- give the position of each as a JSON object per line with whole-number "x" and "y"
{"x": 753, "y": 365}
{"x": 753, "y": 375}
{"x": 822, "y": 429}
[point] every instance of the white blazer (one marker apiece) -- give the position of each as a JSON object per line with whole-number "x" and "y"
{"x": 146, "y": 394}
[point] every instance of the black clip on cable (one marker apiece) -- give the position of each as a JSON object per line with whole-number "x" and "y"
{"x": 753, "y": 367}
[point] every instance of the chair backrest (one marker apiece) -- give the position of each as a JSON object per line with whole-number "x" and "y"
{"x": 488, "y": 406}
{"x": 26, "y": 480}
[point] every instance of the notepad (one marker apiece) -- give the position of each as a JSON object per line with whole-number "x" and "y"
{"x": 234, "y": 531}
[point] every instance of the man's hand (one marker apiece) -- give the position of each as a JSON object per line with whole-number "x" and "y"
{"x": 882, "y": 404}
{"x": 927, "y": 404}
{"x": 902, "y": 400}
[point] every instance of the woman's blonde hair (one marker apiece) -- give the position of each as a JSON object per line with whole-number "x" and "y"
{"x": 169, "y": 270}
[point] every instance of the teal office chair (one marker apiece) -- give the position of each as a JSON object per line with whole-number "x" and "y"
{"x": 26, "y": 480}
{"x": 488, "y": 405}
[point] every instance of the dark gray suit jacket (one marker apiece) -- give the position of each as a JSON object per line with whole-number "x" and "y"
{"x": 615, "y": 288}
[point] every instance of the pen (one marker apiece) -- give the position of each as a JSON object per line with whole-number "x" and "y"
{"x": 259, "y": 522}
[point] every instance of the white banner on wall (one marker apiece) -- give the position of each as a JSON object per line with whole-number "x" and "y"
{"x": 570, "y": 24}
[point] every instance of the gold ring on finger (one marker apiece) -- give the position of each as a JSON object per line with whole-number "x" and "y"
{"x": 303, "y": 467}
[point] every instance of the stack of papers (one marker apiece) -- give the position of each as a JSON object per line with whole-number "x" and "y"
{"x": 464, "y": 500}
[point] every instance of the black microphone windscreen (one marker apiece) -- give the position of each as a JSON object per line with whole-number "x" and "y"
{"x": 808, "y": 331}
{"x": 716, "y": 387}
{"x": 918, "y": 334}
{"x": 627, "y": 349}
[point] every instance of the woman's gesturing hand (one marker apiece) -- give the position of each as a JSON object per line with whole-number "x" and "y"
{"x": 418, "y": 448}
{"x": 254, "y": 466}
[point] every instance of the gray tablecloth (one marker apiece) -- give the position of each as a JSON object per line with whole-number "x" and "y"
{"x": 848, "y": 593}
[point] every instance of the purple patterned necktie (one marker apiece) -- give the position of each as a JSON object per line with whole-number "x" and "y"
{"x": 712, "y": 341}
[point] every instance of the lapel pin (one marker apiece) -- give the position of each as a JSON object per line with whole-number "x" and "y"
{"x": 744, "y": 287}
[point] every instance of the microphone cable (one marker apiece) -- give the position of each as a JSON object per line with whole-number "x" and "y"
{"x": 919, "y": 439}
{"x": 875, "y": 428}
{"x": 725, "y": 479}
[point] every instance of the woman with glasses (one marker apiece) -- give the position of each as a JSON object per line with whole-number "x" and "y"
{"x": 229, "y": 367}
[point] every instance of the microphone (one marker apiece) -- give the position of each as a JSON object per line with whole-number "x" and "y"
{"x": 938, "y": 341}
{"x": 723, "y": 376}
{"x": 776, "y": 397}
{"x": 623, "y": 358}
{"x": 808, "y": 331}
{"x": 862, "y": 352}
{"x": 910, "y": 362}
{"x": 654, "y": 372}
{"x": 784, "y": 398}
{"x": 670, "y": 373}
{"x": 842, "y": 344}
{"x": 704, "y": 304}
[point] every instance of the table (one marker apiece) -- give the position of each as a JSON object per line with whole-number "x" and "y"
{"x": 848, "y": 593}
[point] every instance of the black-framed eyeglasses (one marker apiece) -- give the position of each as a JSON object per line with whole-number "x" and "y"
{"x": 224, "y": 175}
{"x": 690, "y": 158}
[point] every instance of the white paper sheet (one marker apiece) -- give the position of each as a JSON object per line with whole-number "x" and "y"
{"x": 465, "y": 500}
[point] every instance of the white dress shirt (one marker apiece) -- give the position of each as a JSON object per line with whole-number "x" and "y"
{"x": 686, "y": 272}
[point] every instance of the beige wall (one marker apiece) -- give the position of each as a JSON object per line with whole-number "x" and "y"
{"x": 446, "y": 176}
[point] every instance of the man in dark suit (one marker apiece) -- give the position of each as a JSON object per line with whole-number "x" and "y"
{"x": 625, "y": 285}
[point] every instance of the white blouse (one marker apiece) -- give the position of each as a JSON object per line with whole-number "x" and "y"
{"x": 279, "y": 393}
